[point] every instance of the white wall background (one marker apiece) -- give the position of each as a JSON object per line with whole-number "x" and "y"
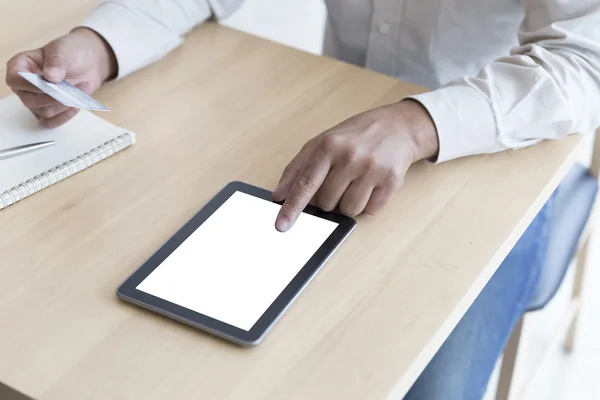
{"x": 296, "y": 23}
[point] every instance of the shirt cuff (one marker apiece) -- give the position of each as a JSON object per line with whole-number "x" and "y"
{"x": 135, "y": 43}
{"x": 464, "y": 121}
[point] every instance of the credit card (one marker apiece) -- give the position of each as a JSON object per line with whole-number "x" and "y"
{"x": 65, "y": 93}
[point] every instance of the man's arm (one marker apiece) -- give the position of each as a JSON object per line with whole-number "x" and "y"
{"x": 141, "y": 32}
{"x": 119, "y": 37}
{"x": 547, "y": 88}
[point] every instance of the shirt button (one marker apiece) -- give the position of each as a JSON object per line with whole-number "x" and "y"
{"x": 383, "y": 27}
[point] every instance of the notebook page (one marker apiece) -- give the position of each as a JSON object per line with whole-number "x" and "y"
{"x": 18, "y": 126}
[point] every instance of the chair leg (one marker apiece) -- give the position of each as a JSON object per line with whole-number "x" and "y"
{"x": 576, "y": 297}
{"x": 506, "y": 388}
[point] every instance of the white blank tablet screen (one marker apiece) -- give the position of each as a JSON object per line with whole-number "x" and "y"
{"x": 236, "y": 263}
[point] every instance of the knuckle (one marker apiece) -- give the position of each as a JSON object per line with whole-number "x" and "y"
{"x": 55, "y": 58}
{"x": 289, "y": 169}
{"x": 51, "y": 124}
{"x": 394, "y": 176}
{"x": 331, "y": 143}
{"x": 325, "y": 204}
{"x": 11, "y": 63}
{"x": 11, "y": 75}
{"x": 67, "y": 116}
{"x": 46, "y": 112}
{"x": 47, "y": 123}
{"x": 309, "y": 145}
{"x": 372, "y": 210}
{"x": 350, "y": 155}
{"x": 292, "y": 205}
{"x": 372, "y": 163}
{"x": 55, "y": 47}
{"x": 305, "y": 184}
{"x": 58, "y": 43}
{"x": 349, "y": 210}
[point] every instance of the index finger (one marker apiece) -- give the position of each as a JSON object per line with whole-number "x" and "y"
{"x": 21, "y": 63}
{"x": 307, "y": 183}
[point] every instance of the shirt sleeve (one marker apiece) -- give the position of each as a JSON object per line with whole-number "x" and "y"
{"x": 140, "y": 32}
{"x": 548, "y": 88}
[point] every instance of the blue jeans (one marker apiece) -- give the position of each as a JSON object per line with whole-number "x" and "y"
{"x": 462, "y": 367}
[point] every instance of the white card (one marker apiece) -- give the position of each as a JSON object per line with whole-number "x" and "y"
{"x": 65, "y": 93}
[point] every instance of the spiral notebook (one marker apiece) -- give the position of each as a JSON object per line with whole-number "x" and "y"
{"x": 80, "y": 143}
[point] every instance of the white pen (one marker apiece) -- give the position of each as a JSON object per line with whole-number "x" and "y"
{"x": 20, "y": 150}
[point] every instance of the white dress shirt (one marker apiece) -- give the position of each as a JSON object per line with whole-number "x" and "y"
{"x": 506, "y": 73}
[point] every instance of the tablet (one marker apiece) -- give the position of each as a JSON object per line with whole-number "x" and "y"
{"x": 228, "y": 271}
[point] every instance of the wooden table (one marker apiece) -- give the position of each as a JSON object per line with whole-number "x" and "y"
{"x": 228, "y": 106}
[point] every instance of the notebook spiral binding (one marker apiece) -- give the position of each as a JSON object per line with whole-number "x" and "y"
{"x": 65, "y": 170}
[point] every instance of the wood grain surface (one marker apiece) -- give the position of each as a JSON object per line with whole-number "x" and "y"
{"x": 228, "y": 106}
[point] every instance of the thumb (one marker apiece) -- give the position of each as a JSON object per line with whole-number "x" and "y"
{"x": 57, "y": 57}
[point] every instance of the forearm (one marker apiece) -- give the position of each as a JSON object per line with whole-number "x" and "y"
{"x": 547, "y": 88}
{"x": 141, "y": 32}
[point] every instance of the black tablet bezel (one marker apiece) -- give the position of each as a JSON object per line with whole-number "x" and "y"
{"x": 127, "y": 291}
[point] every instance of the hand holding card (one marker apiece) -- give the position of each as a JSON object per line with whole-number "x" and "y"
{"x": 65, "y": 93}
{"x": 82, "y": 58}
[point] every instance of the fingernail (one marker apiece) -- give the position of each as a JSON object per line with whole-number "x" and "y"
{"x": 282, "y": 224}
{"x": 52, "y": 72}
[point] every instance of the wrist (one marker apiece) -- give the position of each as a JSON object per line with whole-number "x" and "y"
{"x": 420, "y": 129}
{"x": 103, "y": 55}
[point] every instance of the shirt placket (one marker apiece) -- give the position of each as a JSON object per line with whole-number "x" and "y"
{"x": 383, "y": 47}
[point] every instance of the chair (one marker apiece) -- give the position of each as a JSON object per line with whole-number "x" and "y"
{"x": 569, "y": 240}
